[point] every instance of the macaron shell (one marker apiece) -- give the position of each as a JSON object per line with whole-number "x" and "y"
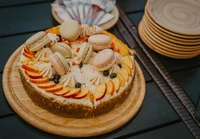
{"x": 35, "y": 38}
{"x": 89, "y": 54}
{"x": 82, "y": 52}
{"x": 99, "y": 41}
{"x": 41, "y": 43}
{"x": 63, "y": 60}
{"x": 62, "y": 48}
{"x": 104, "y": 60}
{"x": 70, "y": 30}
{"x": 57, "y": 64}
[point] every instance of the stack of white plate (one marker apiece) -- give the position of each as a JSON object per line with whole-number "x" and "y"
{"x": 172, "y": 27}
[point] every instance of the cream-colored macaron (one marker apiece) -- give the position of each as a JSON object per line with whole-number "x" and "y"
{"x": 99, "y": 41}
{"x": 104, "y": 60}
{"x": 59, "y": 63}
{"x": 70, "y": 30}
{"x": 85, "y": 52}
{"x": 62, "y": 48}
{"x": 37, "y": 41}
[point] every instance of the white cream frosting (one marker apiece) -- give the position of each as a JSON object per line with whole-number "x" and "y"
{"x": 114, "y": 69}
{"x": 43, "y": 54}
{"x": 53, "y": 37}
{"x": 48, "y": 71}
{"x": 97, "y": 80}
{"x": 87, "y": 31}
{"x": 118, "y": 58}
{"x": 68, "y": 80}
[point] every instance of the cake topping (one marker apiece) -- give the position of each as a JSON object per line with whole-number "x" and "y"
{"x": 43, "y": 54}
{"x": 87, "y": 31}
{"x": 53, "y": 37}
{"x": 118, "y": 58}
{"x": 97, "y": 80}
{"x": 105, "y": 73}
{"x": 67, "y": 80}
{"x": 78, "y": 85}
{"x": 114, "y": 69}
{"x": 48, "y": 71}
{"x": 113, "y": 75}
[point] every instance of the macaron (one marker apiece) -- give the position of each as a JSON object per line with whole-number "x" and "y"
{"x": 99, "y": 41}
{"x": 104, "y": 60}
{"x": 59, "y": 63}
{"x": 70, "y": 30}
{"x": 85, "y": 52}
{"x": 37, "y": 41}
{"x": 62, "y": 48}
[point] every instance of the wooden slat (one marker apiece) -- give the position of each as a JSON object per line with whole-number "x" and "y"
{"x": 15, "y": 20}
{"x": 190, "y": 81}
{"x": 175, "y": 131}
{"x": 5, "y": 108}
{"x": 9, "y": 45}
{"x": 131, "y": 5}
{"x": 4, "y": 3}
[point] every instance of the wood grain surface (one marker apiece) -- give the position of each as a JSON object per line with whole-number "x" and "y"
{"x": 74, "y": 127}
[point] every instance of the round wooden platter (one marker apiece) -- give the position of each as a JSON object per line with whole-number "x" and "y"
{"x": 104, "y": 26}
{"x": 73, "y": 127}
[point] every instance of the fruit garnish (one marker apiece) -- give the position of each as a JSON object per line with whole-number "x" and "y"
{"x": 78, "y": 85}
{"x": 120, "y": 65}
{"x": 80, "y": 65}
{"x": 105, "y": 73}
{"x": 113, "y": 75}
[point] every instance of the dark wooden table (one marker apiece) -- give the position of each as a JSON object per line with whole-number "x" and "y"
{"x": 157, "y": 118}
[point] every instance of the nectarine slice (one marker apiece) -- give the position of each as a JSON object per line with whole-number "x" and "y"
{"x": 62, "y": 92}
{"x": 26, "y": 50}
{"x": 110, "y": 88}
{"x": 116, "y": 83}
{"x": 100, "y": 91}
{"x": 54, "y": 89}
{"x": 128, "y": 69}
{"x": 33, "y": 75}
{"x": 82, "y": 94}
{"x": 30, "y": 68}
{"x": 127, "y": 60}
{"x": 46, "y": 85}
{"x": 121, "y": 78}
{"x": 72, "y": 92}
{"x": 27, "y": 55}
{"x": 124, "y": 73}
{"x": 39, "y": 81}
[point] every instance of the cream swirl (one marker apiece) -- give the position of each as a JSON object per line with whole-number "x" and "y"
{"x": 43, "y": 54}
{"x": 96, "y": 80}
{"x": 87, "y": 31}
{"x": 68, "y": 80}
{"x": 118, "y": 58}
{"x": 115, "y": 68}
{"x": 53, "y": 37}
{"x": 48, "y": 71}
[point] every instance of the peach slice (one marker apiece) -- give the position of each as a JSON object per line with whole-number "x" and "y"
{"x": 121, "y": 78}
{"x": 124, "y": 73}
{"x": 128, "y": 69}
{"x": 116, "y": 83}
{"x": 30, "y": 68}
{"x": 127, "y": 60}
{"x": 110, "y": 88}
{"x": 33, "y": 75}
{"x": 72, "y": 92}
{"x": 62, "y": 92}
{"x": 39, "y": 81}
{"x": 54, "y": 89}
{"x": 46, "y": 85}
{"x": 54, "y": 30}
{"x": 100, "y": 91}
{"x": 83, "y": 93}
{"x": 27, "y": 55}
{"x": 26, "y": 50}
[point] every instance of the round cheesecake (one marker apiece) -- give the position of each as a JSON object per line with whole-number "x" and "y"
{"x": 84, "y": 79}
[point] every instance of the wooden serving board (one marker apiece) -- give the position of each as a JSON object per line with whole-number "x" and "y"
{"x": 74, "y": 127}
